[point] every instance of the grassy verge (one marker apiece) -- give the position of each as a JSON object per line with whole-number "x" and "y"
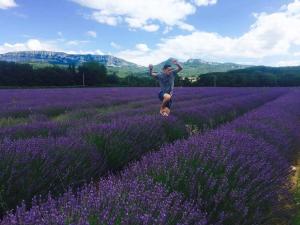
{"x": 10, "y": 121}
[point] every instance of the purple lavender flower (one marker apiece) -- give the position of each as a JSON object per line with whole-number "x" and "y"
{"x": 236, "y": 174}
{"x": 39, "y": 165}
{"x": 112, "y": 201}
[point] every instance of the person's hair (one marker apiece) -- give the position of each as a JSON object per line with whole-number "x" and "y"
{"x": 166, "y": 66}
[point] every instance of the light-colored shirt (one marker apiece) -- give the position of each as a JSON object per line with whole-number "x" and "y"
{"x": 166, "y": 82}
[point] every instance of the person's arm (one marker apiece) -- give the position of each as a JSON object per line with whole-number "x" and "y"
{"x": 179, "y": 67}
{"x": 151, "y": 73}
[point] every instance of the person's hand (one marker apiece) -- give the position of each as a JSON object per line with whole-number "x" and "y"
{"x": 175, "y": 62}
{"x": 179, "y": 67}
{"x": 150, "y": 67}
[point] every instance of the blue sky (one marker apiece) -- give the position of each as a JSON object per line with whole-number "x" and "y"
{"x": 241, "y": 31}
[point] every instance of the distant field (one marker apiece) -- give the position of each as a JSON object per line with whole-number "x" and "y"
{"x": 223, "y": 156}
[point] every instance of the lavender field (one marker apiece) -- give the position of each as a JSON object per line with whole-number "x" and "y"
{"x": 105, "y": 156}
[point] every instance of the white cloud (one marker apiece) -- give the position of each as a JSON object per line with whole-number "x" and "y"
{"x": 76, "y": 42}
{"x": 185, "y": 26}
{"x": 30, "y": 45}
{"x": 115, "y": 45}
{"x": 142, "y": 47}
{"x": 296, "y": 54}
{"x": 49, "y": 45}
{"x": 293, "y": 8}
{"x": 167, "y": 30}
{"x": 151, "y": 27}
{"x": 205, "y": 2}
{"x": 145, "y": 15}
{"x": 91, "y": 33}
{"x": 270, "y": 40}
{"x": 137, "y": 24}
{"x": 6, "y": 4}
{"x": 83, "y": 52}
{"x": 102, "y": 18}
{"x": 289, "y": 63}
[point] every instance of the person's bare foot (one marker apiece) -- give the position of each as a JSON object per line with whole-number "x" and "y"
{"x": 167, "y": 110}
{"x": 161, "y": 111}
{"x": 164, "y": 112}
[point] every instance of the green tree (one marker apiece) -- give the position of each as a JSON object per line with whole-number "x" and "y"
{"x": 94, "y": 73}
{"x": 112, "y": 79}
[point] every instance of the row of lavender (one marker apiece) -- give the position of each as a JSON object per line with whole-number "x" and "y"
{"x": 43, "y": 164}
{"x": 39, "y": 125}
{"x": 237, "y": 174}
{"x": 40, "y": 121}
{"x": 24, "y": 102}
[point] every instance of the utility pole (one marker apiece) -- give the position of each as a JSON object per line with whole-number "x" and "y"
{"x": 83, "y": 79}
{"x": 215, "y": 80}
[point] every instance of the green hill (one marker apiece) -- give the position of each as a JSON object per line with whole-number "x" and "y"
{"x": 195, "y": 67}
{"x": 120, "y": 67}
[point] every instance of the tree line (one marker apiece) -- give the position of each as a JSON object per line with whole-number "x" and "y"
{"x": 95, "y": 74}
{"x": 259, "y": 76}
{"x": 87, "y": 74}
{"x": 17, "y": 74}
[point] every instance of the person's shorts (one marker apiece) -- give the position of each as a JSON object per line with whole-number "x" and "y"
{"x": 161, "y": 98}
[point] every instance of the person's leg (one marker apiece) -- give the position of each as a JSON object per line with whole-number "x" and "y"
{"x": 166, "y": 100}
{"x": 168, "y": 106}
{"x": 161, "y": 98}
{"x": 165, "y": 106}
{"x": 167, "y": 111}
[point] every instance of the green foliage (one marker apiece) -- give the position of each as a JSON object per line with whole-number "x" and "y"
{"x": 16, "y": 74}
{"x": 115, "y": 154}
{"x": 94, "y": 73}
{"x": 296, "y": 218}
{"x": 125, "y": 71}
{"x": 112, "y": 79}
{"x": 253, "y": 77}
{"x": 134, "y": 81}
{"x": 10, "y": 121}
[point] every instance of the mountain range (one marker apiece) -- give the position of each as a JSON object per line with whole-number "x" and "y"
{"x": 121, "y": 67}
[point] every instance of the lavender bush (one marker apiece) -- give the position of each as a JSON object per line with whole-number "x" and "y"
{"x": 277, "y": 123}
{"x": 39, "y": 165}
{"x": 35, "y": 129}
{"x": 236, "y": 174}
{"x": 126, "y": 139}
{"x": 112, "y": 201}
{"x": 211, "y": 115}
{"x": 23, "y": 102}
{"x": 237, "y": 178}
